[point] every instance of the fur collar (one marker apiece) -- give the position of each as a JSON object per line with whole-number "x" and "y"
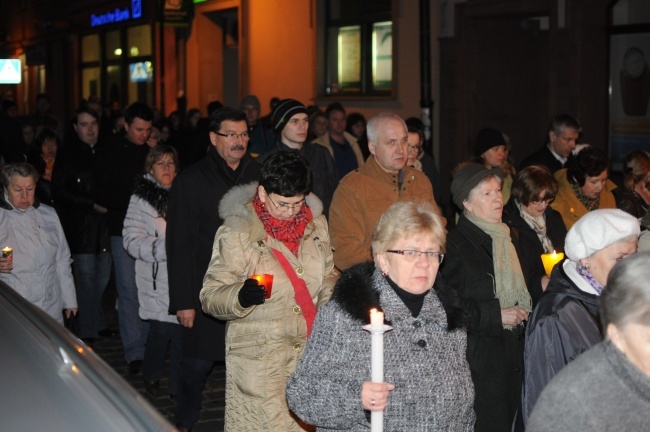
{"x": 147, "y": 189}
{"x": 236, "y": 210}
{"x": 356, "y": 293}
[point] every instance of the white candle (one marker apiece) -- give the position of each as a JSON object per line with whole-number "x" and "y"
{"x": 377, "y": 363}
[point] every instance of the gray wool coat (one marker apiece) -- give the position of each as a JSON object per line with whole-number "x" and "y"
{"x": 422, "y": 358}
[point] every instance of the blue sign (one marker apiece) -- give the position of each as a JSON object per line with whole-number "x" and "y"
{"x": 10, "y": 71}
{"x": 136, "y": 8}
{"x": 117, "y": 15}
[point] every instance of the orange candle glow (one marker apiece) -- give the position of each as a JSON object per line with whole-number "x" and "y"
{"x": 7, "y": 252}
{"x": 265, "y": 280}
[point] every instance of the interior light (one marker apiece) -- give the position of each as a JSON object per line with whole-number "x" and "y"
{"x": 118, "y": 52}
{"x": 134, "y": 51}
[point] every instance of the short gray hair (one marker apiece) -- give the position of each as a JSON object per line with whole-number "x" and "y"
{"x": 372, "y": 128}
{"x": 404, "y": 219}
{"x": 22, "y": 169}
{"x": 626, "y": 298}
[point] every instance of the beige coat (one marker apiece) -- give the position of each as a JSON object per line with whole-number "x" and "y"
{"x": 265, "y": 342}
{"x": 569, "y": 206}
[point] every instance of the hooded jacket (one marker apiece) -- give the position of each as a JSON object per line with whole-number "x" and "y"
{"x": 263, "y": 342}
{"x": 41, "y": 257}
{"x": 424, "y": 357}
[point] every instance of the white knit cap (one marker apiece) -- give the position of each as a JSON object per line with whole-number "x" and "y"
{"x": 598, "y": 229}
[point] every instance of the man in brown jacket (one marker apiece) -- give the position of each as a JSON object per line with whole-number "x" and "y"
{"x": 364, "y": 194}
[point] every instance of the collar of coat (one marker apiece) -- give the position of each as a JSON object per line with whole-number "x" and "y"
{"x": 4, "y": 204}
{"x": 356, "y": 292}
{"x": 152, "y": 193}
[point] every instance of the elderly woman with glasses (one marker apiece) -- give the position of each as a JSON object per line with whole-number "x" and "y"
{"x": 537, "y": 226}
{"x": 565, "y": 322}
{"x": 584, "y": 186}
{"x": 274, "y": 228}
{"x": 427, "y": 380}
{"x": 482, "y": 265}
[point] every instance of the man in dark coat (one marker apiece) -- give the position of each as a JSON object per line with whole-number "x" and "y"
{"x": 563, "y": 132}
{"x": 121, "y": 162}
{"x": 75, "y": 191}
{"x": 192, "y": 222}
{"x": 290, "y": 123}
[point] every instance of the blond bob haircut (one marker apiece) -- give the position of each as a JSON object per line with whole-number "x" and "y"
{"x": 405, "y": 219}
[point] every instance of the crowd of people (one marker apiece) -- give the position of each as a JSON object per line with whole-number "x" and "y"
{"x": 264, "y": 243}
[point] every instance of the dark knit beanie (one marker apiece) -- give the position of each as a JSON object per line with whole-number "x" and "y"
{"x": 486, "y": 139}
{"x": 283, "y": 111}
{"x": 250, "y": 100}
{"x": 467, "y": 178}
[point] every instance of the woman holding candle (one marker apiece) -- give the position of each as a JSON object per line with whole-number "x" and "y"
{"x": 539, "y": 228}
{"x": 427, "y": 385}
{"x": 276, "y": 228}
{"x": 39, "y": 268}
{"x": 482, "y": 265}
{"x": 565, "y": 322}
{"x": 144, "y": 239}
{"x": 584, "y": 186}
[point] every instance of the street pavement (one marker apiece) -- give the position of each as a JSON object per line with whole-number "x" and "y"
{"x": 111, "y": 351}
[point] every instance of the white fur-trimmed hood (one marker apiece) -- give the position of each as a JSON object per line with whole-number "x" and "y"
{"x": 234, "y": 211}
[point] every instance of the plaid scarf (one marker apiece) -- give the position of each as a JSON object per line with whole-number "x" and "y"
{"x": 289, "y": 232}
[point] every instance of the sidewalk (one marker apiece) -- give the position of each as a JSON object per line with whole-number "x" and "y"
{"x": 110, "y": 350}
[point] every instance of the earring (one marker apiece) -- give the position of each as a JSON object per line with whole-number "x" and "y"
{"x": 384, "y": 274}
{"x": 587, "y": 265}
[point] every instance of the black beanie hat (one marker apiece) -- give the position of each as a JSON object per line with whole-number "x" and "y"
{"x": 283, "y": 111}
{"x": 486, "y": 139}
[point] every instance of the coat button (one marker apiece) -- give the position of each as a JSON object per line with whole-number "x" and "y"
{"x": 417, "y": 324}
{"x": 517, "y": 369}
{"x": 296, "y": 346}
{"x": 422, "y": 343}
{"x": 300, "y": 271}
{"x": 296, "y": 310}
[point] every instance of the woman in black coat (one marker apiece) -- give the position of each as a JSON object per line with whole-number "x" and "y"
{"x": 537, "y": 226}
{"x": 482, "y": 265}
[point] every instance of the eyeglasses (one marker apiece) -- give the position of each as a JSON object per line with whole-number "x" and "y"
{"x": 414, "y": 255}
{"x": 284, "y": 206}
{"x": 231, "y": 136}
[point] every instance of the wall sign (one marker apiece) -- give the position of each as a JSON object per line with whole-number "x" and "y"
{"x": 117, "y": 15}
{"x": 10, "y": 71}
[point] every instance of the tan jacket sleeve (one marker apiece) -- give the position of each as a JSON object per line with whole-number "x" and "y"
{"x": 231, "y": 256}
{"x": 347, "y": 229}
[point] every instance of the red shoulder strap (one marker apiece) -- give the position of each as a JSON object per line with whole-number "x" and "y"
{"x": 303, "y": 298}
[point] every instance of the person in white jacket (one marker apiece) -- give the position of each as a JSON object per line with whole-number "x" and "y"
{"x": 39, "y": 267}
{"x": 144, "y": 239}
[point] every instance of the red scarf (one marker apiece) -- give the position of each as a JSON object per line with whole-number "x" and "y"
{"x": 290, "y": 231}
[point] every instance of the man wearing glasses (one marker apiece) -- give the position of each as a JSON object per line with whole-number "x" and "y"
{"x": 192, "y": 222}
{"x": 364, "y": 194}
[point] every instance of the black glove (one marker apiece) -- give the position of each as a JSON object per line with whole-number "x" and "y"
{"x": 252, "y": 293}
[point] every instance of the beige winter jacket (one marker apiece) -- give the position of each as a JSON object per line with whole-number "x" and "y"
{"x": 265, "y": 342}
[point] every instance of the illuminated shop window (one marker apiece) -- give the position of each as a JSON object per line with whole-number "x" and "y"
{"x": 359, "y": 40}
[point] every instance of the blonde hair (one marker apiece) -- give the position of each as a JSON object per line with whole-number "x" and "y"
{"x": 405, "y": 219}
